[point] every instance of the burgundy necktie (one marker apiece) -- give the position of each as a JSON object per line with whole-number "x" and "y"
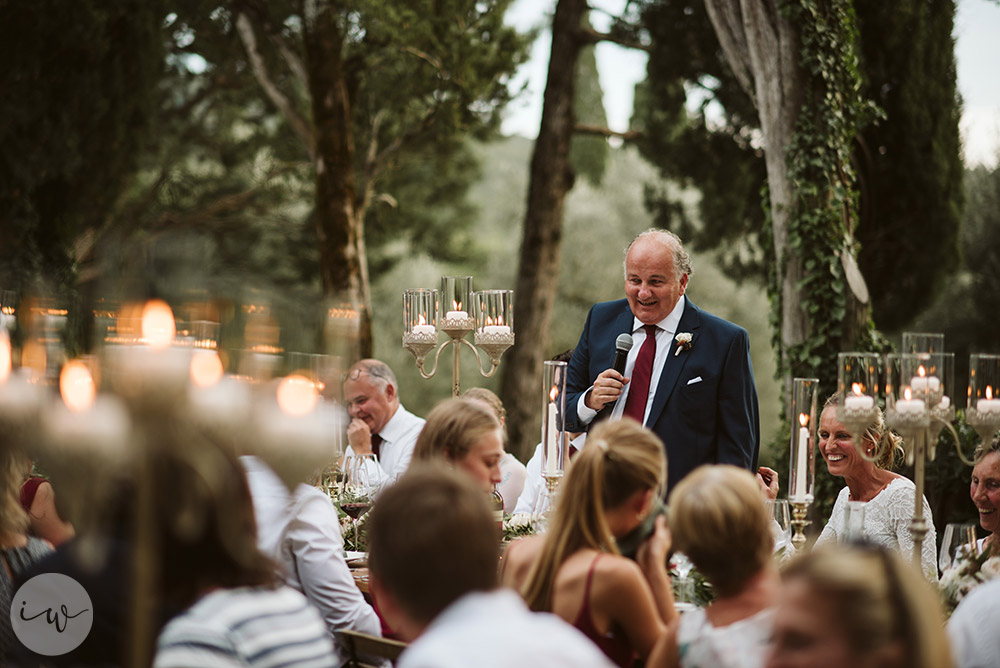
{"x": 377, "y": 443}
{"x": 638, "y": 386}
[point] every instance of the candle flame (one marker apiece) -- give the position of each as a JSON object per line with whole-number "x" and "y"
{"x": 803, "y": 419}
{"x": 857, "y": 389}
{"x": 206, "y": 368}
{"x": 989, "y": 392}
{"x": 421, "y": 320}
{"x": 77, "y": 386}
{"x": 455, "y": 306}
{"x": 158, "y": 326}
{"x": 920, "y": 371}
{"x": 297, "y": 395}
{"x": 5, "y": 361}
{"x": 553, "y": 393}
{"x": 907, "y": 394}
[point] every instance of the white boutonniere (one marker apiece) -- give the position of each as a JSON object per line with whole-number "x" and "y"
{"x": 683, "y": 342}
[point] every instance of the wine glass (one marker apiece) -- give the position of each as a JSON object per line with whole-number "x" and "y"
{"x": 359, "y": 488}
{"x": 958, "y": 540}
{"x": 685, "y": 585}
{"x": 854, "y": 521}
{"x": 777, "y": 510}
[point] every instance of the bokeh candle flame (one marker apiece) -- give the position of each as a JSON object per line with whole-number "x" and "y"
{"x": 857, "y": 389}
{"x": 5, "y": 357}
{"x": 158, "y": 328}
{"x": 76, "y": 385}
{"x": 297, "y": 395}
{"x": 206, "y": 368}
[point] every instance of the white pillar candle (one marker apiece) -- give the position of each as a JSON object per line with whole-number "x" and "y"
{"x": 551, "y": 449}
{"x": 925, "y": 384}
{"x": 910, "y": 406}
{"x": 423, "y": 329}
{"x": 855, "y": 402}
{"x": 988, "y": 405}
{"x": 456, "y": 315}
{"x": 801, "y": 465}
{"x": 496, "y": 329}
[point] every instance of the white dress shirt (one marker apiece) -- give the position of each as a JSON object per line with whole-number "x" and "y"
{"x": 301, "y": 532}
{"x": 399, "y": 435}
{"x": 665, "y": 331}
{"x": 497, "y": 630}
{"x": 534, "y": 482}
{"x": 512, "y": 475}
{"x": 973, "y": 626}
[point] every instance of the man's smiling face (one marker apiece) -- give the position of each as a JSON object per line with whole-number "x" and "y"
{"x": 652, "y": 285}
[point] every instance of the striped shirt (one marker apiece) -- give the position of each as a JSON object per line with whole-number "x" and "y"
{"x": 247, "y": 626}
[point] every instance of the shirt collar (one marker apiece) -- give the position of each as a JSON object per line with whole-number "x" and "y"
{"x": 668, "y": 324}
{"x": 391, "y": 431}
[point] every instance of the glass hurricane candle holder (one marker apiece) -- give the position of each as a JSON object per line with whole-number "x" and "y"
{"x": 553, "y": 421}
{"x": 802, "y": 460}
{"x": 983, "y": 412}
{"x": 922, "y": 342}
{"x": 857, "y": 388}
{"x": 420, "y": 310}
{"x": 455, "y": 316}
{"x": 494, "y": 313}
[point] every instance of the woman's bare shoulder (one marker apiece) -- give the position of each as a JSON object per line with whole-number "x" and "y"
{"x": 518, "y": 559}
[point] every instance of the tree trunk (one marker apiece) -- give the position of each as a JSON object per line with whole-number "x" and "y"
{"x": 339, "y": 223}
{"x": 761, "y": 47}
{"x": 538, "y": 274}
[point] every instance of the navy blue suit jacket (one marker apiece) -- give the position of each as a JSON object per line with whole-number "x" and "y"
{"x": 714, "y": 420}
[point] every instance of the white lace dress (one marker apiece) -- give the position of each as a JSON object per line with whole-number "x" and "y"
{"x": 742, "y": 644}
{"x": 887, "y": 523}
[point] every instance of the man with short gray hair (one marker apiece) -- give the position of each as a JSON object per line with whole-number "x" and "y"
{"x": 379, "y": 423}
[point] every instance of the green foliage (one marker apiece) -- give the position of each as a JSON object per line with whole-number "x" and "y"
{"x": 910, "y": 164}
{"x": 966, "y": 309}
{"x": 588, "y": 155}
{"x": 78, "y": 90}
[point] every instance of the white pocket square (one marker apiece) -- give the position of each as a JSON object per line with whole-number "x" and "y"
{"x": 696, "y": 379}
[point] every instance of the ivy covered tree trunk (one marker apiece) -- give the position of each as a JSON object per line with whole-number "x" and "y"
{"x": 798, "y": 65}
{"x": 551, "y": 179}
{"x": 339, "y": 224}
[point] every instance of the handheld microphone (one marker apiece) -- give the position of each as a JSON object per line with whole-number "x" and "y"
{"x": 623, "y": 344}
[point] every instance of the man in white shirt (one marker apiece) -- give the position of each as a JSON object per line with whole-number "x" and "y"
{"x": 301, "y": 532}
{"x": 433, "y": 559}
{"x": 379, "y": 423}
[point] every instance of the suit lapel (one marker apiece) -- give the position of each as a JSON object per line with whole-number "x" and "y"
{"x": 690, "y": 322}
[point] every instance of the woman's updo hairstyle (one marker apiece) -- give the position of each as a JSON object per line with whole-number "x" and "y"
{"x": 887, "y": 444}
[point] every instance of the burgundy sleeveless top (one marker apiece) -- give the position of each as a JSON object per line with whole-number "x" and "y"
{"x": 28, "y": 490}
{"x": 616, "y": 647}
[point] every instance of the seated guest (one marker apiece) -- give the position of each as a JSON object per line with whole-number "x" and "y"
{"x": 512, "y": 471}
{"x": 18, "y": 550}
{"x": 889, "y": 495}
{"x": 534, "y": 483}
{"x": 433, "y": 559}
{"x": 858, "y": 607}
{"x": 972, "y": 628}
{"x": 234, "y": 612}
{"x": 301, "y": 533}
{"x": 466, "y": 434}
{"x": 576, "y": 569}
{"x": 39, "y": 500}
{"x": 718, "y": 519}
{"x": 985, "y": 493}
{"x": 379, "y": 423}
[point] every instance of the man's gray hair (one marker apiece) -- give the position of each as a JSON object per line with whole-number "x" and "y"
{"x": 682, "y": 261}
{"x": 380, "y": 373}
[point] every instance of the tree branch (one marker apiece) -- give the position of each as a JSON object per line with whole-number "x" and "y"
{"x": 591, "y": 36}
{"x": 279, "y": 99}
{"x": 727, "y": 19}
{"x": 630, "y": 135}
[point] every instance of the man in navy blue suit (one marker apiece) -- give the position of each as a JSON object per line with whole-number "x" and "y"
{"x": 692, "y": 383}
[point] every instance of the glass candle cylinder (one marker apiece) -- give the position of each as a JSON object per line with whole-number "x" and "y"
{"x": 984, "y": 384}
{"x": 922, "y": 342}
{"x": 854, "y": 521}
{"x": 420, "y": 308}
{"x": 919, "y": 377}
{"x": 494, "y": 311}
{"x": 857, "y": 380}
{"x": 553, "y": 418}
{"x": 803, "y": 427}
{"x": 456, "y": 297}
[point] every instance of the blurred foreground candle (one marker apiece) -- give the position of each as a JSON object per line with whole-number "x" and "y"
{"x": 83, "y": 420}
{"x": 989, "y": 404}
{"x": 151, "y": 370}
{"x": 857, "y": 400}
{"x": 292, "y": 435}
{"x": 909, "y": 405}
{"x": 553, "y": 418}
